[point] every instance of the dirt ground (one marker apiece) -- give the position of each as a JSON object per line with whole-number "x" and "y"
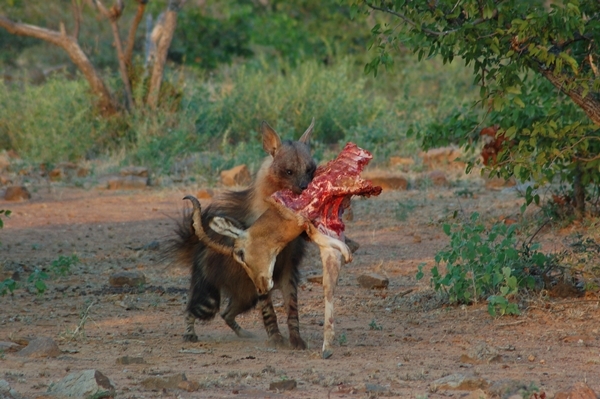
{"x": 391, "y": 343}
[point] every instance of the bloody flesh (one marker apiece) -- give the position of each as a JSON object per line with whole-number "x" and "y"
{"x": 324, "y": 200}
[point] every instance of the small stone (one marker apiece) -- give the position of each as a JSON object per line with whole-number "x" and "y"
{"x": 125, "y": 360}
{"x": 476, "y": 394}
{"x": 9, "y": 346}
{"x": 481, "y": 353}
{"x": 284, "y": 385}
{"x": 578, "y": 391}
{"x": 352, "y": 245}
{"x": 236, "y": 176}
{"x": 400, "y": 161}
{"x": 16, "y": 193}
{"x": 84, "y": 384}
{"x": 375, "y": 388}
{"x": 438, "y": 178}
{"x": 189, "y": 386}
{"x": 132, "y": 279}
{"x": 40, "y": 347}
{"x": 373, "y": 280}
{"x": 317, "y": 279}
{"x": 386, "y": 180}
{"x": 505, "y": 388}
{"x": 531, "y": 358}
{"x": 442, "y": 157}
{"x": 205, "y": 194}
{"x": 128, "y": 182}
{"x": 166, "y": 382}
{"x": 55, "y": 174}
{"x": 459, "y": 382}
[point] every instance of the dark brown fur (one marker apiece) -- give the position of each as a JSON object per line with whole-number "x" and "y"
{"x": 289, "y": 166}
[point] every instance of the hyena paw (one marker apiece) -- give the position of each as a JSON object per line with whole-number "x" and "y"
{"x": 244, "y": 333}
{"x": 296, "y": 342}
{"x": 276, "y": 341}
{"x": 190, "y": 337}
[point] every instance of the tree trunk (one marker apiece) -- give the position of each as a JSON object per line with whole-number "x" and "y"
{"x": 578, "y": 193}
{"x": 106, "y": 104}
{"x": 162, "y": 47}
{"x": 589, "y": 103}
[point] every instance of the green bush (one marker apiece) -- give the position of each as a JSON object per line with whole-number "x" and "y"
{"x": 49, "y": 123}
{"x": 486, "y": 264}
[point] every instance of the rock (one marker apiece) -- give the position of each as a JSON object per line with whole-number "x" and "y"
{"x": 9, "y": 346}
{"x": 189, "y": 386}
{"x": 6, "y": 392}
{"x": 138, "y": 171}
{"x": 317, "y": 279}
{"x": 386, "y": 180}
{"x": 438, "y": 178}
{"x": 4, "y": 161}
{"x": 373, "y": 280}
{"x": 507, "y": 388}
{"x": 129, "y": 182}
{"x": 55, "y": 174}
{"x": 205, "y": 194}
{"x": 476, "y": 394}
{"x": 400, "y": 161}
{"x": 579, "y": 390}
{"x": 499, "y": 183}
{"x": 130, "y": 360}
{"x": 16, "y": 193}
{"x": 481, "y": 353}
{"x": 236, "y": 176}
{"x": 353, "y": 245}
{"x": 166, "y": 382}
{"x": 84, "y": 384}
{"x": 40, "y": 347}
{"x": 459, "y": 382}
{"x": 375, "y": 388}
{"x": 284, "y": 385}
{"x": 443, "y": 157}
{"x": 132, "y": 279}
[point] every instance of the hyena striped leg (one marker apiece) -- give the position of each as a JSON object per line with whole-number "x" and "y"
{"x": 290, "y": 297}
{"x": 190, "y": 333}
{"x": 230, "y": 312}
{"x": 203, "y": 304}
{"x": 270, "y": 319}
{"x": 332, "y": 262}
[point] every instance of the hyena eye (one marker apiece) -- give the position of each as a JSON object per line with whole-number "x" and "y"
{"x": 289, "y": 172}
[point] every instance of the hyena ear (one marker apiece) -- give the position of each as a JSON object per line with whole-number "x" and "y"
{"x": 306, "y": 135}
{"x": 271, "y": 140}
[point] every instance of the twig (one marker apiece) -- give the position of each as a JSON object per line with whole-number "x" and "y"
{"x": 512, "y": 324}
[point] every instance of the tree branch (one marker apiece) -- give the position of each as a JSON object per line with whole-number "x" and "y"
{"x": 69, "y": 44}
{"x": 133, "y": 29}
{"x": 113, "y": 14}
{"x": 162, "y": 47}
{"x": 426, "y": 30}
{"x": 77, "y": 16}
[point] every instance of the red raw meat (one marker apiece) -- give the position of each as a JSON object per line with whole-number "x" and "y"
{"x": 324, "y": 200}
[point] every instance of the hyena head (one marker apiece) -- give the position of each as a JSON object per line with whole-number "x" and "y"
{"x": 293, "y": 166}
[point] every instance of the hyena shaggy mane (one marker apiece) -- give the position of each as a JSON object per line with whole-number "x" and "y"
{"x": 215, "y": 276}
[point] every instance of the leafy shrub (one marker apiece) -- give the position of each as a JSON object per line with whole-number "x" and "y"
{"x": 62, "y": 265}
{"x": 487, "y": 264}
{"x": 49, "y": 123}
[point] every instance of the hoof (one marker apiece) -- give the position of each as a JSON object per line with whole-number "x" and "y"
{"x": 327, "y": 353}
{"x": 190, "y": 338}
